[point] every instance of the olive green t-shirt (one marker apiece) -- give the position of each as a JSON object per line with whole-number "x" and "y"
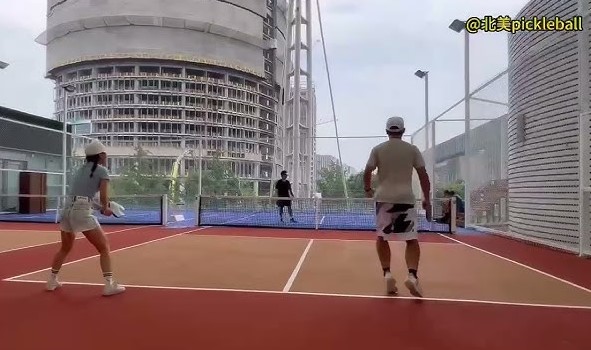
{"x": 395, "y": 160}
{"x": 84, "y": 185}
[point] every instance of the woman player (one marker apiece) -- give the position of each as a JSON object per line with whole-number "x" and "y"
{"x": 77, "y": 216}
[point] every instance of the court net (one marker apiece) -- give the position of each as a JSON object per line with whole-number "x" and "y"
{"x": 312, "y": 213}
{"x": 139, "y": 210}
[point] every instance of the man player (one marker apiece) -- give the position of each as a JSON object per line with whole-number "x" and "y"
{"x": 283, "y": 188}
{"x": 396, "y": 215}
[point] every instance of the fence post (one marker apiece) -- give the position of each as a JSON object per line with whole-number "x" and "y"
{"x": 198, "y": 211}
{"x": 584, "y": 132}
{"x": 453, "y": 225}
{"x": 467, "y": 142}
{"x": 433, "y": 158}
{"x": 164, "y": 209}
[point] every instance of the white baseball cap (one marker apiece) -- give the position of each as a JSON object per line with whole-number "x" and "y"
{"x": 95, "y": 147}
{"x": 395, "y": 124}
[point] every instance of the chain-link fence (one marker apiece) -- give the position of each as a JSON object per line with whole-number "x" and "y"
{"x": 483, "y": 166}
{"x": 520, "y": 154}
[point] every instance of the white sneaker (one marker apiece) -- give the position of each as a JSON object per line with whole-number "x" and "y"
{"x": 52, "y": 284}
{"x": 390, "y": 284}
{"x": 112, "y": 288}
{"x": 412, "y": 283}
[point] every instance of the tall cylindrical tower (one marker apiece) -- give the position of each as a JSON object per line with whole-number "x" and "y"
{"x": 167, "y": 76}
{"x": 543, "y": 142}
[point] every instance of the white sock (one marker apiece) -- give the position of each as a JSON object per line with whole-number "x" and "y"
{"x": 108, "y": 277}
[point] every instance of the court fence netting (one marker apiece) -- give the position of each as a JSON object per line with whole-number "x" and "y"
{"x": 517, "y": 148}
{"x": 340, "y": 214}
{"x": 139, "y": 210}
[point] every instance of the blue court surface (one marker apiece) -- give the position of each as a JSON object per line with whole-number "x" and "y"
{"x": 238, "y": 218}
{"x": 132, "y": 217}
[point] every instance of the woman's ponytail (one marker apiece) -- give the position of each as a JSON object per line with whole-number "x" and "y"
{"x": 94, "y": 159}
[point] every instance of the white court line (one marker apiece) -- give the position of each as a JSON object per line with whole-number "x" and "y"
{"x": 351, "y": 296}
{"x": 242, "y": 218}
{"x": 370, "y": 240}
{"x": 54, "y": 242}
{"x": 112, "y": 251}
{"x": 520, "y": 264}
{"x": 21, "y": 230}
{"x": 296, "y": 270}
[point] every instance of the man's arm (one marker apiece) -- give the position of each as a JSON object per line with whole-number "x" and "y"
{"x": 290, "y": 191}
{"x": 419, "y": 165}
{"x": 425, "y": 183}
{"x": 371, "y": 165}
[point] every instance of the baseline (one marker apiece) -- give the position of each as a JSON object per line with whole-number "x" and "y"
{"x": 330, "y": 295}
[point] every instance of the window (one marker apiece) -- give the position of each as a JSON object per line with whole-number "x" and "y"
{"x": 148, "y": 127}
{"x": 104, "y": 99}
{"x": 149, "y": 84}
{"x": 103, "y": 114}
{"x": 104, "y": 85}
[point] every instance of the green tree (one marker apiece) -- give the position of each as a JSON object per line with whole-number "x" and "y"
{"x": 247, "y": 188}
{"x": 139, "y": 178}
{"x": 330, "y": 183}
{"x": 457, "y": 187}
{"x": 217, "y": 180}
{"x": 356, "y": 187}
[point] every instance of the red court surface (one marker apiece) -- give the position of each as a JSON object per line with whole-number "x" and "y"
{"x": 222, "y": 288}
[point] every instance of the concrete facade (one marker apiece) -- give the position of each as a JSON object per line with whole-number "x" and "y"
{"x": 307, "y": 143}
{"x": 203, "y": 75}
{"x": 300, "y": 104}
{"x": 40, "y": 151}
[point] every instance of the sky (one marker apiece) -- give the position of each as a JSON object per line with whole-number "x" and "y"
{"x": 373, "y": 48}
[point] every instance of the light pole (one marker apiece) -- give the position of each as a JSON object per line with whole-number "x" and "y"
{"x": 3, "y": 65}
{"x": 425, "y": 76}
{"x": 67, "y": 88}
{"x": 457, "y": 26}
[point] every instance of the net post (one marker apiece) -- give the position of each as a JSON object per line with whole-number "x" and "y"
{"x": 164, "y": 212}
{"x": 453, "y": 216}
{"x": 58, "y": 208}
{"x": 316, "y": 212}
{"x": 198, "y": 211}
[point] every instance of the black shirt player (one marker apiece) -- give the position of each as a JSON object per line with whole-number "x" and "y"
{"x": 283, "y": 188}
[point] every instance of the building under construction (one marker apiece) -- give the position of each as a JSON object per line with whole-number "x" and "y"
{"x": 204, "y": 76}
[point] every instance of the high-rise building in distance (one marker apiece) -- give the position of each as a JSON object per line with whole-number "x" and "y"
{"x": 165, "y": 76}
